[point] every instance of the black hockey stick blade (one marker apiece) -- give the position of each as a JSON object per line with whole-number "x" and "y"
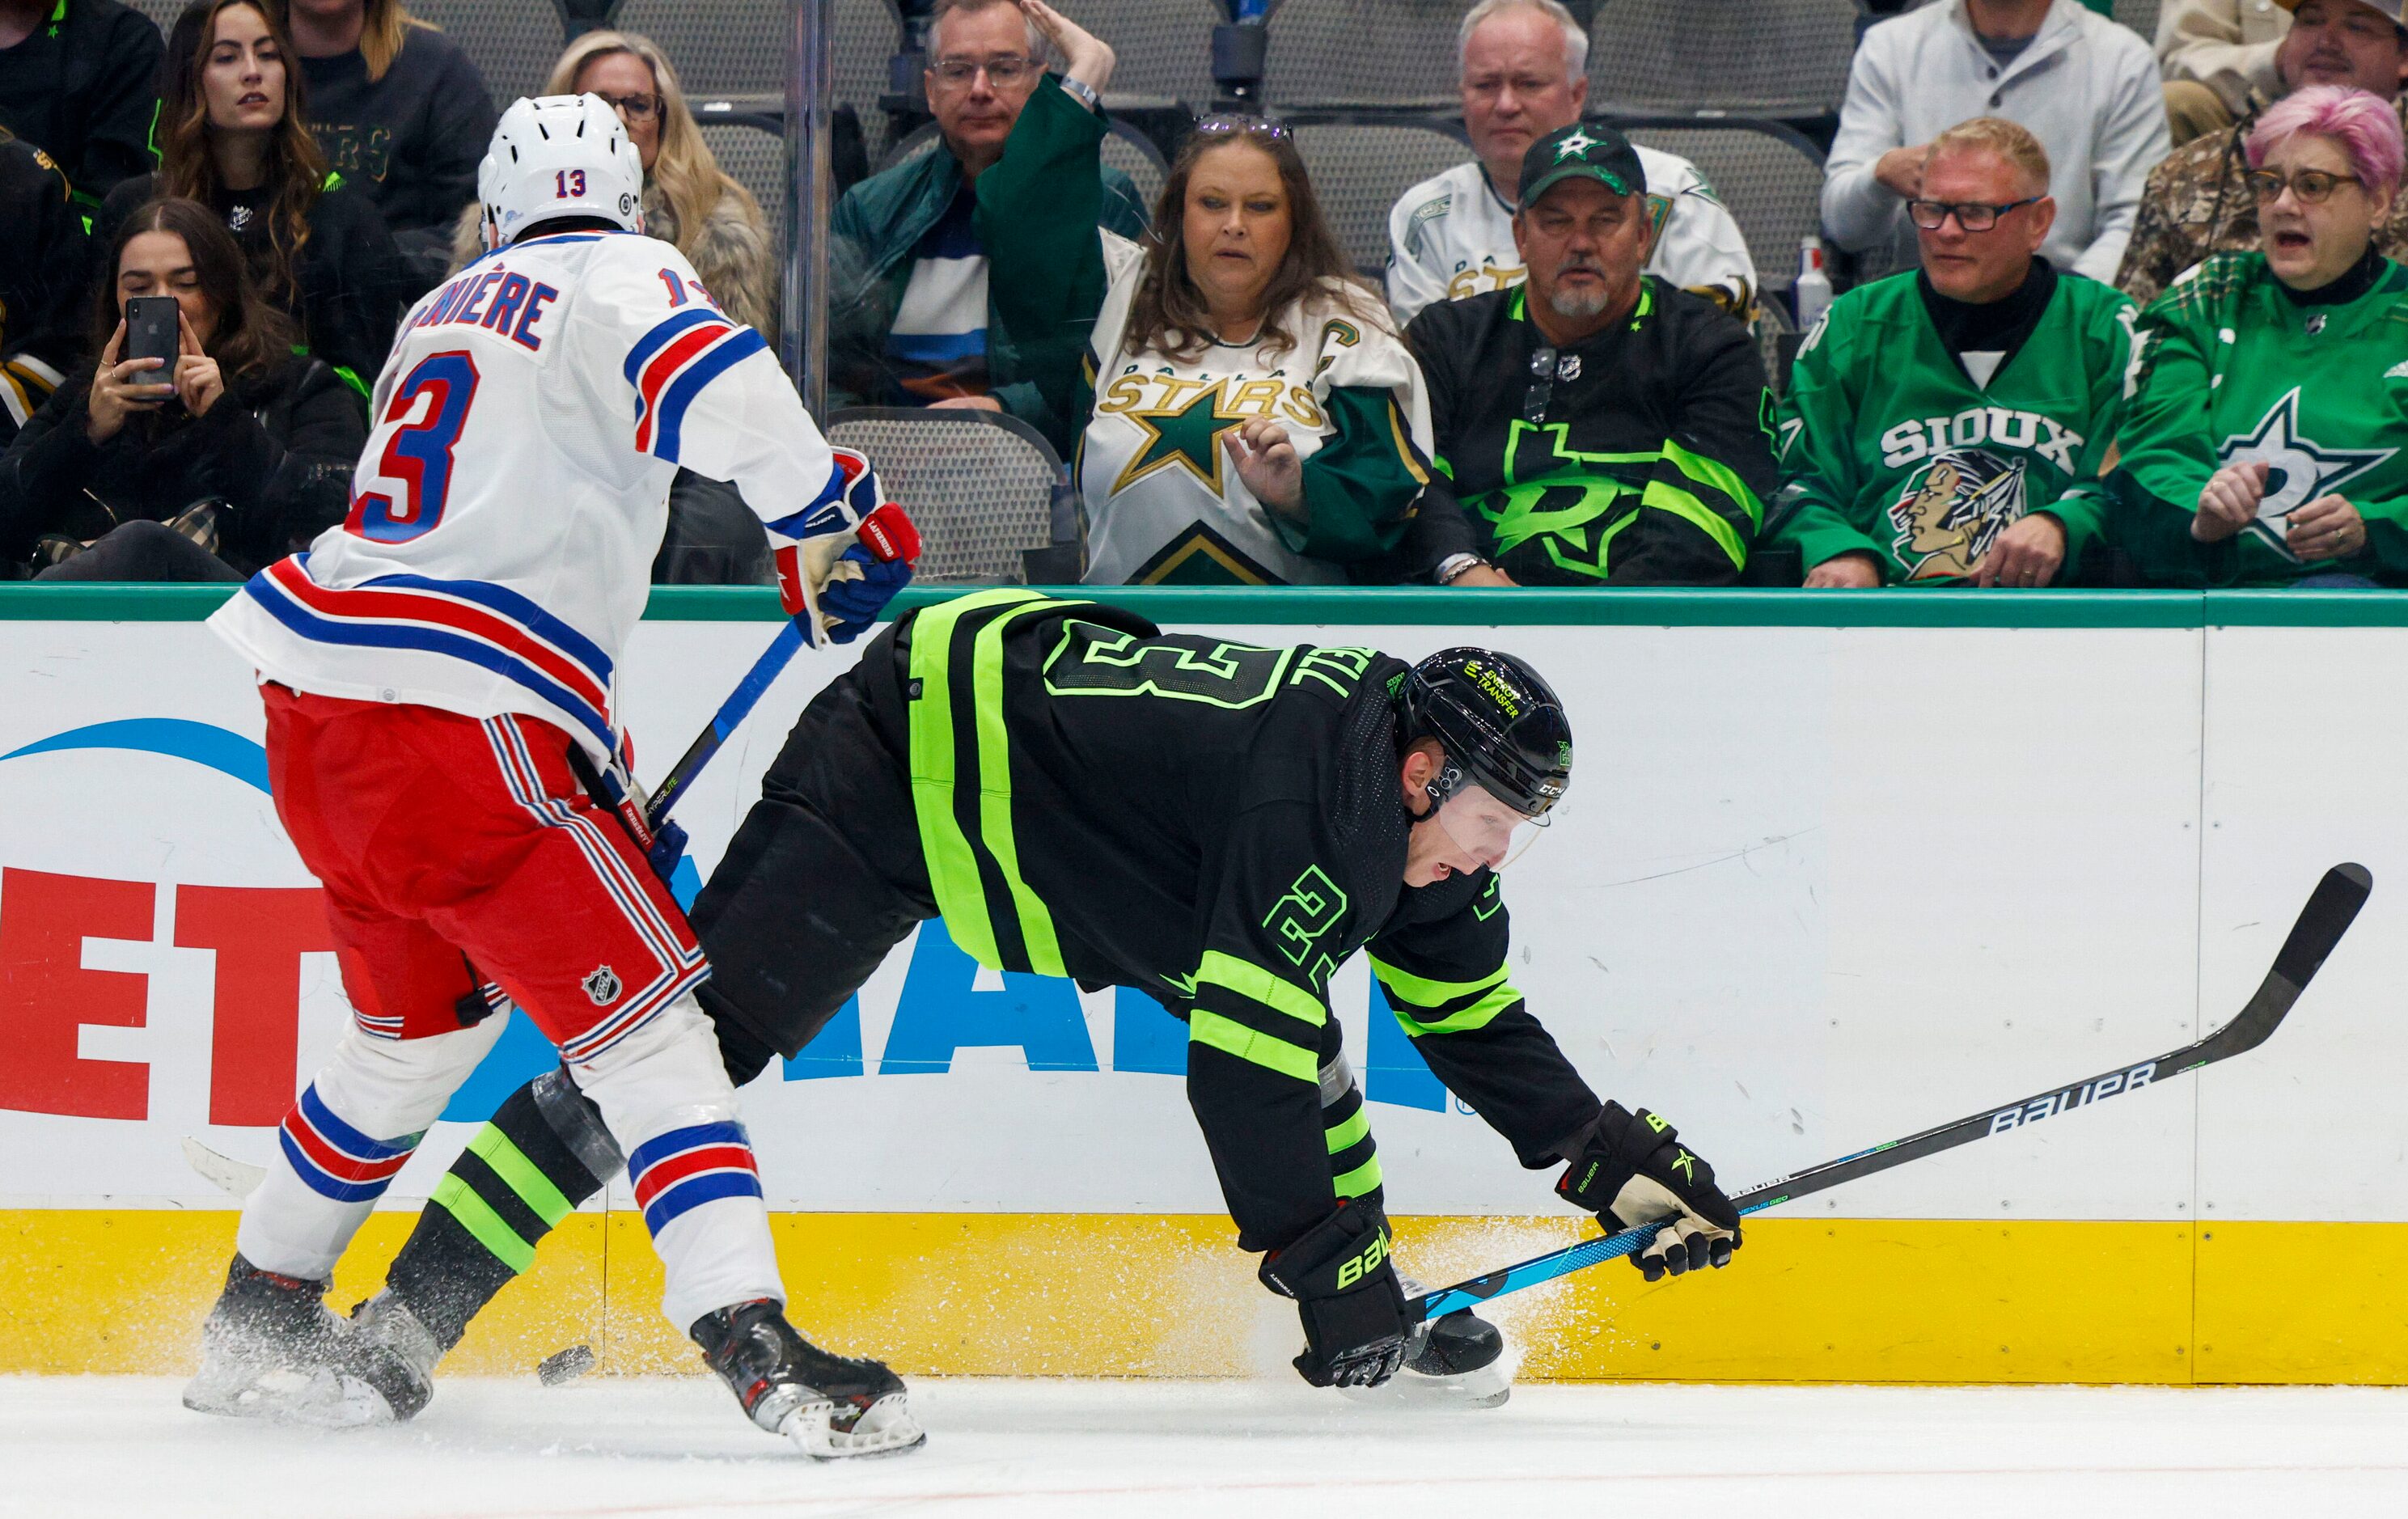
{"x": 2332, "y": 908}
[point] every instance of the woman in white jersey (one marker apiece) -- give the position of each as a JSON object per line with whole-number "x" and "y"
{"x": 1255, "y": 418}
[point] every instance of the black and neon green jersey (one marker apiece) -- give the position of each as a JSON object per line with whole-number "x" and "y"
{"x": 1639, "y": 457}
{"x": 1220, "y": 826}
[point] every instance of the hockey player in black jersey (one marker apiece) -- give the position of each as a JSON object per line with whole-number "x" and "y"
{"x": 1218, "y": 824}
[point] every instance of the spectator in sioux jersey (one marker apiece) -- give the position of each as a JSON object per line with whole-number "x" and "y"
{"x": 234, "y": 136}
{"x": 398, "y": 109}
{"x": 205, "y": 470}
{"x": 75, "y": 82}
{"x": 913, "y": 323}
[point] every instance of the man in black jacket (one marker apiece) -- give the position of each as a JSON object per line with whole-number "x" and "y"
{"x": 78, "y": 81}
{"x": 1609, "y": 429}
{"x": 43, "y": 265}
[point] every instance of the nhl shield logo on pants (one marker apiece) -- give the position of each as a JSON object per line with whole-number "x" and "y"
{"x": 602, "y": 985}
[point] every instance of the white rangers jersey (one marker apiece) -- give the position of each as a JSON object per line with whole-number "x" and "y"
{"x": 514, "y": 489}
{"x": 1453, "y": 237}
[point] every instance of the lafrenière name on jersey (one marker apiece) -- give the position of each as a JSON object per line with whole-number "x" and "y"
{"x": 1921, "y": 438}
{"x": 495, "y": 299}
{"x": 1158, "y": 393}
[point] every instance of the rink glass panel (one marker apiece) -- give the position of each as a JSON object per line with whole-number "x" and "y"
{"x": 1833, "y": 867}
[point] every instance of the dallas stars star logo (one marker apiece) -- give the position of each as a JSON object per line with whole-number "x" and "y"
{"x": 1186, "y": 437}
{"x": 1573, "y": 146}
{"x": 2301, "y": 469}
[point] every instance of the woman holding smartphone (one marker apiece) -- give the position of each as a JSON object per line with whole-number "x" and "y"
{"x": 233, "y": 135}
{"x": 199, "y": 467}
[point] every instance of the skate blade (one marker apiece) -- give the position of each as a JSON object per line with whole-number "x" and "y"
{"x": 886, "y": 1427}
{"x": 1486, "y": 1388}
{"x": 313, "y": 1400}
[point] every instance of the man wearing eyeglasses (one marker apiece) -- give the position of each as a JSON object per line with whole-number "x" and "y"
{"x": 1604, "y": 427}
{"x": 2198, "y": 201}
{"x": 917, "y": 247}
{"x": 2086, "y": 87}
{"x": 1945, "y": 427}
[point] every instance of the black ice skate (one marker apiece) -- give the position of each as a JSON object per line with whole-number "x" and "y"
{"x": 832, "y": 1406}
{"x": 270, "y": 1349}
{"x": 1457, "y": 1361}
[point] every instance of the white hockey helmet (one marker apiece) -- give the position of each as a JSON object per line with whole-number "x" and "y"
{"x": 555, "y": 156}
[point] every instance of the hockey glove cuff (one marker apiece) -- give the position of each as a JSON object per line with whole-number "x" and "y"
{"x": 1347, "y": 1294}
{"x": 1632, "y": 1169}
{"x": 852, "y": 530}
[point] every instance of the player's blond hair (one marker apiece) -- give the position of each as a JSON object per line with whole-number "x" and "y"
{"x": 1997, "y": 134}
{"x": 686, "y": 172}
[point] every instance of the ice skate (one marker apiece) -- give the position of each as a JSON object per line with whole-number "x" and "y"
{"x": 832, "y": 1406}
{"x": 271, "y": 1349}
{"x": 1457, "y": 1361}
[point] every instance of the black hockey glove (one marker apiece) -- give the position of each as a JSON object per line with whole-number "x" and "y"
{"x": 1631, "y": 1169}
{"x": 1346, "y": 1291}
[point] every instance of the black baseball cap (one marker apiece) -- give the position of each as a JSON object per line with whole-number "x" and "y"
{"x": 1582, "y": 150}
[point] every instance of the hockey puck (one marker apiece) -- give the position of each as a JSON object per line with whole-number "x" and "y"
{"x": 560, "y": 1369}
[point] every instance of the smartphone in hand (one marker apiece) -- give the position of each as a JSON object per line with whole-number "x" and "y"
{"x": 152, "y": 331}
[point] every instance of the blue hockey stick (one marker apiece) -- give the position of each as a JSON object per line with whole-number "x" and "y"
{"x": 724, "y": 722}
{"x": 2331, "y": 910}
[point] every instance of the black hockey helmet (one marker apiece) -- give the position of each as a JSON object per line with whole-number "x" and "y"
{"x": 1502, "y": 725}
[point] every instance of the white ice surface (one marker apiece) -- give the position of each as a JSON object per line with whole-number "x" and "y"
{"x": 612, "y": 1447}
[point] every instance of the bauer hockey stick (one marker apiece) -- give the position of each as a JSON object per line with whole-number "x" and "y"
{"x": 2331, "y": 910}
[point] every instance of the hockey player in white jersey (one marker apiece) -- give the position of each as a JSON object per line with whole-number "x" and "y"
{"x": 437, "y": 672}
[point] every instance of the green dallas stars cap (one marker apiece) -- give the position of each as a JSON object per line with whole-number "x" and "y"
{"x": 1582, "y": 150}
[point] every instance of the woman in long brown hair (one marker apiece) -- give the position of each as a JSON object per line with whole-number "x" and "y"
{"x": 1255, "y": 418}
{"x": 202, "y": 469}
{"x": 234, "y": 136}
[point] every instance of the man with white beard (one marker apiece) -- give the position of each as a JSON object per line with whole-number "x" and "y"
{"x": 1606, "y": 427}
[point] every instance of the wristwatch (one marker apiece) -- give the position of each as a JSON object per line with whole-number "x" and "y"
{"x": 1081, "y": 92}
{"x": 1456, "y": 565}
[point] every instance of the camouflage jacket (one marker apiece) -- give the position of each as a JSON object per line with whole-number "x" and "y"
{"x": 2198, "y": 203}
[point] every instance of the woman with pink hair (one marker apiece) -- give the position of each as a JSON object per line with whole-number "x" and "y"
{"x": 2265, "y": 442}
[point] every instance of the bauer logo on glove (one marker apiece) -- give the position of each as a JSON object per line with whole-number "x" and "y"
{"x": 1632, "y": 1170}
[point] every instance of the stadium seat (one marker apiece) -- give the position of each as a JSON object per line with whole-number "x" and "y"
{"x": 980, "y": 486}
{"x": 2141, "y": 15}
{"x": 163, "y": 13}
{"x": 1360, "y": 168}
{"x": 1127, "y": 149}
{"x": 1788, "y": 60}
{"x": 746, "y": 47}
{"x": 1165, "y": 47}
{"x": 755, "y": 158}
{"x": 514, "y": 43}
{"x": 1770, "y": 177}
{"x": 1365, "y": 53}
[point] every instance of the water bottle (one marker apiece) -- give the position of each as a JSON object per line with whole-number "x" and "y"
{"x": 1811, "y": 295}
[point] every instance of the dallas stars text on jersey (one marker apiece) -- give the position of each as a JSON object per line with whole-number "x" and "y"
{"x": 1165, "y": 503}
{"x": 2231, "y": 370}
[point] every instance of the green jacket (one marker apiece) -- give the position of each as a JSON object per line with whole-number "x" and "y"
{"x": 1889, "y": 449}
{"x": 881, "y": 220}
{"x": 2233, "y": 370}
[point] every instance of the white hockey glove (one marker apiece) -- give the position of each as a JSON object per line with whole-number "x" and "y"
{"x": 841, "y": 561}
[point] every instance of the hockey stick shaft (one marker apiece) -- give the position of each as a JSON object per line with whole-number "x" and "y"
{"x": 724, "y": 722}
{"x": 2331, "y": 910}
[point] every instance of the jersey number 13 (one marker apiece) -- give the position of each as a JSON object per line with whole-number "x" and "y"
{"x": 421, "y": 423}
